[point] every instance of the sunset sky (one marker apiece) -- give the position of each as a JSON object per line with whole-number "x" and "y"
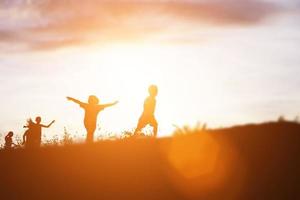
{"x": 220, "y": 62}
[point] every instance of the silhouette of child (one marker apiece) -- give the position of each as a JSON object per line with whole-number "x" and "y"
{"x": 8, "y": 140}
{"x": 92, "y": 109}
{"x": 33, "y": 136}
{"x": 148, "y": 113}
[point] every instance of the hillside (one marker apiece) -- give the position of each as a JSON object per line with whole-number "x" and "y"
{"x": 245, "y": 162}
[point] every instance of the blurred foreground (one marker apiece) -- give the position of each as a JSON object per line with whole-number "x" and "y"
{"x": 246, "y": 162}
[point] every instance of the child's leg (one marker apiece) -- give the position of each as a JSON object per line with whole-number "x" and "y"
{"x": 155, "y": 130}
{"x": 90, "y": 137}
{"x": 140, "y": 126}
{"x": 154, "y": 124}
{"x": 90, "y": 133}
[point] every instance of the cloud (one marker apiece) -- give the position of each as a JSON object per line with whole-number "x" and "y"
{"x": 50, "y": 24}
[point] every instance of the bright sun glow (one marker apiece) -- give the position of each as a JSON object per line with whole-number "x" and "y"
{"x": 122, "y": 73}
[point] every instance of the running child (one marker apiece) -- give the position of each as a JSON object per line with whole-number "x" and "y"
{"x": 148, "y": 116}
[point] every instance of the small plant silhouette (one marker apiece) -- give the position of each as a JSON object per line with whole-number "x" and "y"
{"x": 189, "y": 129}
{"x": 281, "y": 119}
{"x": 67, "y": 138}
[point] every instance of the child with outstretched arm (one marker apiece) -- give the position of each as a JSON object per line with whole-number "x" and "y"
{"x": 92, "y": 109}
{"x": 33, "y": 136}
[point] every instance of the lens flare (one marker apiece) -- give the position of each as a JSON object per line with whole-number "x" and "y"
{"x": 203, "y": 164}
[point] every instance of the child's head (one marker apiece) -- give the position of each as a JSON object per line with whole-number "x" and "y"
{"x": 153, "y": 90}
{"x": 10, "y": 134}
{"x": 93, "y": 100}
{"x": 38, "y": 120}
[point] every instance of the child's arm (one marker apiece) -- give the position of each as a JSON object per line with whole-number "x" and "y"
{"x": 109, "y": 104}
{"x": 75, "y": 100}
{"x": 44, "y": 126}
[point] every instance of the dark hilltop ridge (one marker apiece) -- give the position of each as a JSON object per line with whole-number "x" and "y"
{"x": 245, "y": 162}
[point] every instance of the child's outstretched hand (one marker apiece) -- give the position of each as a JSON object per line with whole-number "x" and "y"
{"x": 116, "y": 102}
{"x": 69, "y": 98}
